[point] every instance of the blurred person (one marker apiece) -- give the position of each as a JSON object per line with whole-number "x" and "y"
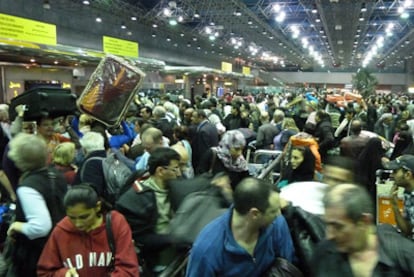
{"x": 324, "y": 134}
{"x": 251, "y": 230}
{"x": 66, "y": 252}
{"x": 384, "y": 126}
{"x": 39, "y": 202}
{"x": 63, "y": 158}
{"x": 403, "y": 175}
{"x": 354, "y": 246}
{"x": 370, "y": 160}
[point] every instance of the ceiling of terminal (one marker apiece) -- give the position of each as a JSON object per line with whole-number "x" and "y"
{"x": 274, "y": 35}
{"x": 296, "y": 34}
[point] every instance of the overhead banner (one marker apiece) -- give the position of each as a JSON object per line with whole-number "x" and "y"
{"x": 246, "y": 70}
{"x": 17, "y": 28}
{"x": 120, "y": 47}
{"x": 226, "y": 67}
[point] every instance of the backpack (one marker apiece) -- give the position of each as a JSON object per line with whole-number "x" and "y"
{"x": 116, "y": 174}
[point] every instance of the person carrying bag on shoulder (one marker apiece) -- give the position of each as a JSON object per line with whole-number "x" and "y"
{"x": 88, "y": 242}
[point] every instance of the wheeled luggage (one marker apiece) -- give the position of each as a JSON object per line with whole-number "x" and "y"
{"x": 44, "y": 102}
{"x": 110, "y": 90}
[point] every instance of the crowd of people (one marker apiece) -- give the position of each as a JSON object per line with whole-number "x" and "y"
{"x": 65, "y": 225}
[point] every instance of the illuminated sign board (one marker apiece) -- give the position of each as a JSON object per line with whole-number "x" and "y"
{"x": 120, "y": 47}
{"x": 23, "y": 29}
{"x": 246, "y": 70}
{"x": 226, "y": 67}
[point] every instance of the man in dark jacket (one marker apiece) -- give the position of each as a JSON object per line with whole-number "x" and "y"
{"x": 91, "y": 170}
{"x": 324, "y": 134}
{"x": 354, "y": 245}
{"x": 147, "y": 207}
{"x": 205, "y": 136}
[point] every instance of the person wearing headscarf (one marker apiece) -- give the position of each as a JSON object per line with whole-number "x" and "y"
{"x": 226, "y": 157}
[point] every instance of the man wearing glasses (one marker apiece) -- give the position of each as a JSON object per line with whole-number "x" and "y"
{"x": 147, "y": 208}
{"x": 403, "y": 175}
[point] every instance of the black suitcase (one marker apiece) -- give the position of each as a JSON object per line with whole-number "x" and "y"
{"x": 45, "y": 102}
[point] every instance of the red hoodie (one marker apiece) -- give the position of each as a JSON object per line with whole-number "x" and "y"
{"x": 89, "y": 252}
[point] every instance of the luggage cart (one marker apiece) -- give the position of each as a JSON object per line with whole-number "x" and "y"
{"x": 383, "y": 199}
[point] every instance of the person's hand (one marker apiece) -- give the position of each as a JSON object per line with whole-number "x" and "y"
{"x": 384, "y": 161}
{"x": 72, "y": 273}
{"x": 20, "y": 109}
{"x": 15, "y": 227}
{"x": 13, "y": 197}
{"x": 394, "y": 195}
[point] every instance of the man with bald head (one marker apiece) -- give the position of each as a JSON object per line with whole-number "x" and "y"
{"x": 354, "y": 246}
{"x": 246, "y": 239}
{"x": 352, "y": 145}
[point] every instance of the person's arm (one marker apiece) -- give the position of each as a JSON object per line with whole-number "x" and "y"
{"x": 205, "y": 162}
{"x": 328, "y": 138}
{"x": 5, "y": 182}
{"x": 126, "y": 263}
{"x": 39, "y": 222}
{"x": 117, "y": 141}
{"x": 405, "y": 226}
{"x": 50, "y": 263}
{"x": 283, "y": 240}
{"x": 260, "y": 138}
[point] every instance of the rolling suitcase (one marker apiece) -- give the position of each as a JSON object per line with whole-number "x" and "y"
{"x": 44, "y": 102}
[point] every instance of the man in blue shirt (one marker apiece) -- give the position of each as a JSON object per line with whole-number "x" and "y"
{"x": 246, "y": 239}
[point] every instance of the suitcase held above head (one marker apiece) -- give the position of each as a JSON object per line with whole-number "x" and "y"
{"x": 45, "y": 102}
{"x": 110, "y": 90}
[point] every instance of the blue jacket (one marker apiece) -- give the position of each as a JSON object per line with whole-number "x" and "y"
{"x": 216, "y": 253}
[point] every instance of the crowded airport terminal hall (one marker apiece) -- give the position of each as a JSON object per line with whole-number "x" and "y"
{"x": 207, "y": 138}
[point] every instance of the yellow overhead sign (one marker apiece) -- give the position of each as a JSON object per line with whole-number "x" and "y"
{"x": 246, "y": 70}
{"x": 120, "y": 47}
{"x": 23, "y": 29}
{"x": 226, "y": 67}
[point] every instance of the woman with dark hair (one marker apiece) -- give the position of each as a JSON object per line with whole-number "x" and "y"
{"x": 79, "y": 245}
{"x": 324, "y": 133}
{"x": 300, "y": 166}
{"x": 369, "y": 163}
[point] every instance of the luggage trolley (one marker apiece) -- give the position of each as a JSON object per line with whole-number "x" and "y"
{"x": 383, "y": 199}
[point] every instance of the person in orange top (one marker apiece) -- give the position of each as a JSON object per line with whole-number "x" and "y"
{"x": 46, "y": 130}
